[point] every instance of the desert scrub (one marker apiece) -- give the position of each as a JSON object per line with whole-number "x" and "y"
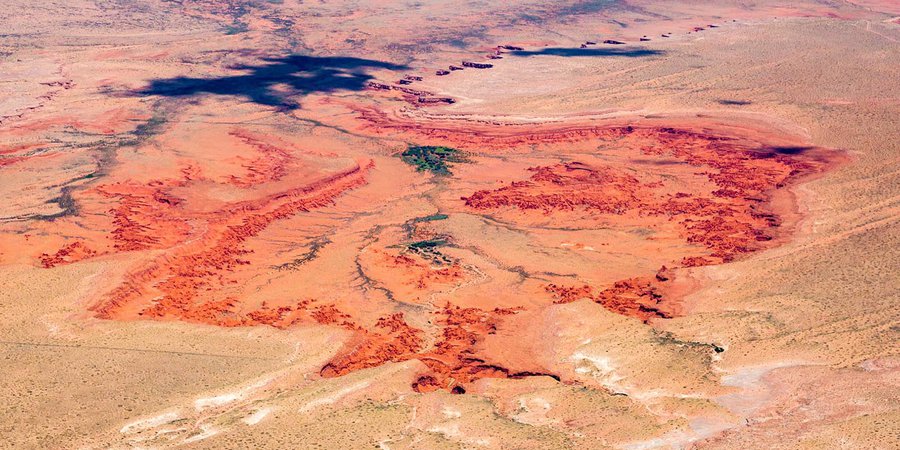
{"x": 427, "y": 244}
{"x": 431, "y": 218}
{"x": 429, "y": 249}
{"x": 435, "y": 159}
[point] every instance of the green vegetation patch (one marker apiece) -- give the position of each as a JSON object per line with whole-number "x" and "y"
{"x": 429, "y": 244}
{"x": 435, "y": 159}
{"x": 429, "y": 249}
{"x": 431, "y": 218}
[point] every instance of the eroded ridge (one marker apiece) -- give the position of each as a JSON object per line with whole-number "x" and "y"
{"x": 186, "y": 281}
{"x": 453, "y": 361}
{"x": 635, "y": 297}
{"x": 568, "y": 186}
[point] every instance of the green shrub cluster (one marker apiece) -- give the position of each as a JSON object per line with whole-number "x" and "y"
{"x": 435, "y": 159}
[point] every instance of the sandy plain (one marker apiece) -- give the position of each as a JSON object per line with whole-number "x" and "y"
{"x": 211, "y": 238}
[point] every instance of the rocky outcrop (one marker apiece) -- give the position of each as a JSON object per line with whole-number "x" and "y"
{"x": 378, "y": 86}
{"x": 183, "y": 277}
{"x": 633, "y": 297}
{"x": 73, "y": 252}
{"x": 566, "y": 186}
{"x": 269, "y": 166}
{"x": 391, "y": 339}
{"x": 433, "y": 100}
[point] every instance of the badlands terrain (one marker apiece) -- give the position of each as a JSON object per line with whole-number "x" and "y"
{"x": 443, "y": 224}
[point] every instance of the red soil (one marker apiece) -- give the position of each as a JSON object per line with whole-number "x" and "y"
{"x": 146, "y": 216}
{"x": 10, "y": 155}
{"x": 730, "y": 221}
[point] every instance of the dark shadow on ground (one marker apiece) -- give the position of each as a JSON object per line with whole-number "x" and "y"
{"x": 630, "y": 52}
{"x": 277, "y": 80}
{"x": 791, "y": 150}
{"x": 774, "y": 151}
{"x": 735, "y": 102}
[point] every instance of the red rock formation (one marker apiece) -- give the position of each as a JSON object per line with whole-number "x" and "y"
{"x": 189, "y": 271}
{"x": 476, "y": 65}
{"x": 378, "y": 86}
{"x": 633, "y": 297}
{"x": 664, "y": 274}
{"x": 433, "y": 100}
{"x": 728, "y": 216}
{"x": 566, "y": 186}
{"x": 390, "y": 340}
{"x": 453, "y": 360}
{"x": 75, "y": 251}
{"x": 269, "y": 166}
{"x": 146, "y": 215}
{"x": 569, "y": 294}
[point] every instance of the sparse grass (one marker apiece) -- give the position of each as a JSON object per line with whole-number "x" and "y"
{"x": 435, "y": 159}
